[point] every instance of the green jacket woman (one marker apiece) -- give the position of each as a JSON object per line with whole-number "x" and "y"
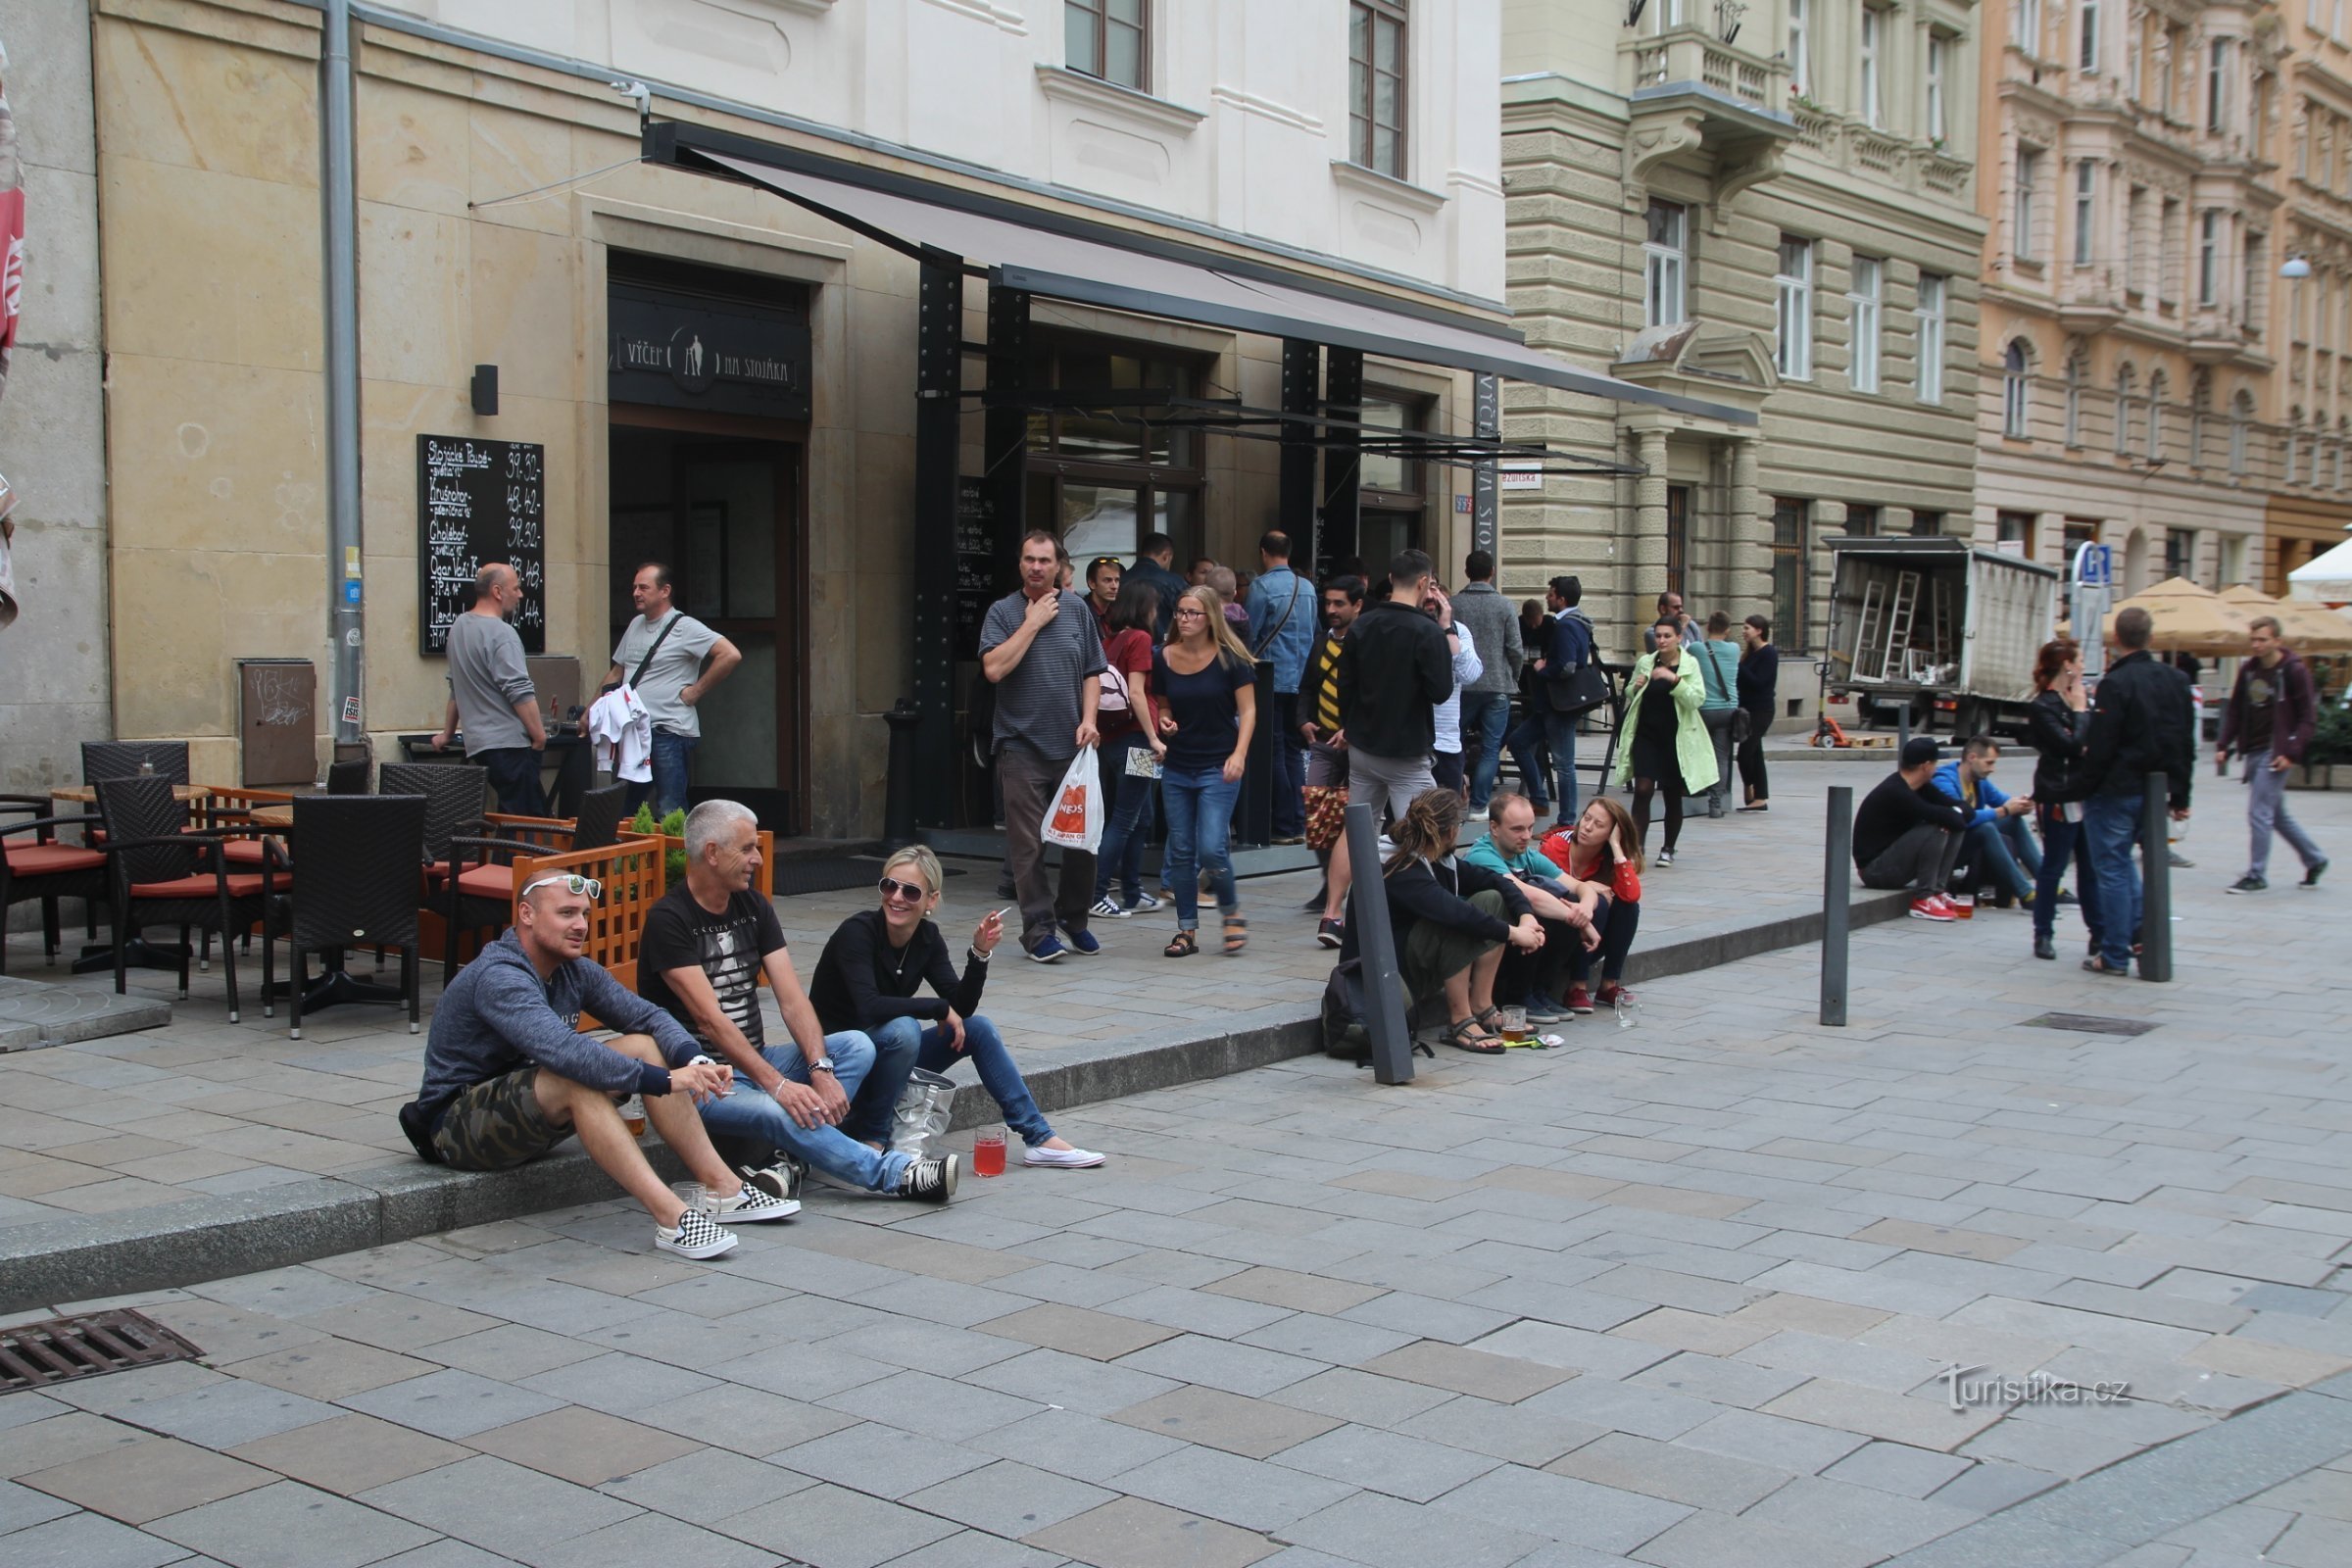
{"x": 1694, "y": 752}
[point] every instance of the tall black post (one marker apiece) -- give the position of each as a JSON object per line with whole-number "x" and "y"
{"x": 1259, "y": 770}
{"x": 1005, "y": 442}
{"x": 2156, "y": 879}
{"x": 1384, "y": 1017}
{"x": 1837, "y": 893}
{"x": 1486, "y": 508}
{"x": 1301, "y": 386}
{"x": 938, "y": 406}
{"x": 1341, "y": 533}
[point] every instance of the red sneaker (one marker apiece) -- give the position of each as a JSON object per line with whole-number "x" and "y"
{"x": 1934, "y": 907}
{"x": 1580, "y": 1001}
{"x": 1609, "y": 992}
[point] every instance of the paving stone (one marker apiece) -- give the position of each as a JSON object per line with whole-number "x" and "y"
{"x": 1404, "y": 1467}
{"x": 1222, "y": 1364}
{"x": 969, "y": 1549}
{"x": 801, "y": 1371}
{"x": 1920, "y": 1422}
{"x": 584, "y": 1446}
{"x": 1865, "y": 1517}
{"x": 1714, "y": 1540}
{"x": 1249, "y": 1493}
{"x": 21, "y": 1507}
{"x": 617, "y": 1383}
{"x": 1502, "y": 1378}
{"x": 350, "y": 1453}
{"x": 1254, "y": 1428}
{"x": 1133, "y": 1533}
{"x": 512, "y": 1351}
{"x": 1078, "y": 1331}
{"x": 225, "y": 1415}
{"x": 451, "y": 1404}
{"x": 1717, "y": 1381}
{"x": 882, "y": 1460}
{"x": 89, "y": 1540}
{"x": 1690, "y": 1476}
{"x": 1988, "y": 1487}
{"x": 648, "y": 1537}
{"x": 1896, "y": 1467}
{"x": 1771, "y": 1439}
{"x": 1009, "y": 1498}
{"x": 289, "y": 1525}
{"x": 329, "y": 1369}
{"x": 1564, "y": 1509}
{"x": 145, "y": 1481}
{"x": 1348, "y": 1394}
{"x": 936, "y": 1407}
{"x": 1049, "y": 1377}
{"x": 830, "y": 1527}
{"x": 496, "y": 1505}
{"x": 1383, "y": 1532}
{"x": 1076, "y": 1445}
{"x": 1299, "y": 1293}
{"x": 717, "y": 1483}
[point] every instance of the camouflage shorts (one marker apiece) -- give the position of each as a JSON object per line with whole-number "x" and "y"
{"x": 497, "y": 1125}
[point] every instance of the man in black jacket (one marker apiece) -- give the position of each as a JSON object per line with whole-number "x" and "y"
{"x": 2268, "y": 722}
{"x": 1908, "y": 835}
{"x": 1394, "y": 667}
{"x": 2143, "y": 723}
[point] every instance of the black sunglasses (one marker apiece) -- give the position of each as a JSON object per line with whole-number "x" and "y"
{"x": 906, "y": 890}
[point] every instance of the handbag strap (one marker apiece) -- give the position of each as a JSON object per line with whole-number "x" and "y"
{"x": 1276, "y": 629}
{"x": 667, "y": 628}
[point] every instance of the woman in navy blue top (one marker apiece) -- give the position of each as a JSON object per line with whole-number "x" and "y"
{"x": 1206, "y": 696}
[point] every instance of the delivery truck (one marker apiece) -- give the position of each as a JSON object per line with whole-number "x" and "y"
{"x": 1939, "y": 626}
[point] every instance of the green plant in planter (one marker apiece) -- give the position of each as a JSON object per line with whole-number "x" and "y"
{"x": 673, "y": 865}
{"x": 2331, "y": 739}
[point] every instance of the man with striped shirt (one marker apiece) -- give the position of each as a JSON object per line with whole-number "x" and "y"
{"x": 1325, "y": 791}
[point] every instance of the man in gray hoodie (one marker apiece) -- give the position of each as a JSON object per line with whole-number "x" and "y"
{"x": 507, "y": 1075}
{"x": 1487, "y": 701}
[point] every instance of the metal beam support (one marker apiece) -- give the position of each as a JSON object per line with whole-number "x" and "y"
{"x": 1302, "y": 383}
{"x": 1486, "y": 500}
{"x": 938, "y": 410}
{"x": 1340, "y": 533}
{"x": 339, "y": 224}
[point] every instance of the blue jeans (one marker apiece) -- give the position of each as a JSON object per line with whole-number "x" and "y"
{"x": 2063, "y": 840}
{"x": 1559, "y": 738}
{"x": 674, "y": 763}
{"x": 1525, "y": 743}
{"x": 1120, "y": 855}
{"x": 872, "y": 1101}
{"x": 2004, "y": 854}
{"x": 1199, "y": 823}
{"x": 514, "y": 777}
{"x": 2266, "y": 812}
{"x": 2110, "y": 822}
{"x": 1486, "y": 715}
{"x": 749, "y": 1113}
{"x": 927, "y": 1042}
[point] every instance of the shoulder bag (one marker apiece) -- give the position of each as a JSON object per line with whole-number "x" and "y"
{"x": 1578, "y": 688}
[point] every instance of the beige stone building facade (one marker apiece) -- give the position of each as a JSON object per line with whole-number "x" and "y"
{"x": 2129, "y": 158}
{"x": 2311, "y": 488}
{"x": 1774, "y": 203}
{"x": 503, "y": 222}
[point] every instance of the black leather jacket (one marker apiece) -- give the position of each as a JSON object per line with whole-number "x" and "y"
{"x": 2058, "y": 733}
{"x": 2143, "y": 722}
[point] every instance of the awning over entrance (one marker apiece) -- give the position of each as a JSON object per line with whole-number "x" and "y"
{"x": 1067, "y": 257}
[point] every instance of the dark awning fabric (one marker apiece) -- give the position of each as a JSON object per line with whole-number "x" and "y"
{"x": 1103, "y": 270}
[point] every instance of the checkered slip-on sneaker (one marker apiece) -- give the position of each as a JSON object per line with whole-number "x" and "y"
{"x": 754, "y": 1204}
{"x": 698, "y": 1236}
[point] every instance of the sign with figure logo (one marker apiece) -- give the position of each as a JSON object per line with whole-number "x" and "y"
{"x": 685, "y": 350}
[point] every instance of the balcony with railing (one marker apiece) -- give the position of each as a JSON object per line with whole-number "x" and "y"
{"x": 1694, "y": 93}
{"x": 1692, "y": 57}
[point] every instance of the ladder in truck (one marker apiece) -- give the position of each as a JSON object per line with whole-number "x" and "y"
{"x": 1898, "y": 622}
{"x": 1867, "y": 629}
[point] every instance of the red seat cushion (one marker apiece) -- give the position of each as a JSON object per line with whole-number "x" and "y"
{"x": 51, "y": 859}
{"x": 488, "y": 882}
{"x": 243, "y": 852}
{"x": 243, "y": 885}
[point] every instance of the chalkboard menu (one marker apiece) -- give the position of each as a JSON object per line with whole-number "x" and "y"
{"x": 479, "y": 501}
{"x": 977, "y": 554}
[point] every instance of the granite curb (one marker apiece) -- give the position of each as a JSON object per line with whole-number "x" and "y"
{"x": 213, "y": 1238}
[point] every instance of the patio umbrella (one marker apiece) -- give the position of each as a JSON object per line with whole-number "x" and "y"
{"x": 2324, "y": 578}
{"x": 2188, "y": 619}
{"x": 2306, "y": 628}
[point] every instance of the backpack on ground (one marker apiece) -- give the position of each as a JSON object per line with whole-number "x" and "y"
{"x": 1346, "y": 1035}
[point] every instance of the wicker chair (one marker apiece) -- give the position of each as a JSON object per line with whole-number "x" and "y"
{"x": 347, "y": 778}
{"x": 39, "y": 867}
{"x": 105, "y": 760}
{"x": 454, "y": 792}
{"x": 161, "y": 873}
{"x": 480, "y": 897}
{"x": 360, "y": 885}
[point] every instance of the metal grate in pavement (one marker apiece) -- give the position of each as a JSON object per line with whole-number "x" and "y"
{"x": 2089, "y": 1023}
{"x": 60, "y": 1349}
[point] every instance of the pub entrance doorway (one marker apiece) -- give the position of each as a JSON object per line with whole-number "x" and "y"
{"x": 724, "y": 511}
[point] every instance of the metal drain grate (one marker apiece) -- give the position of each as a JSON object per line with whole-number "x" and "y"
{"x": 60, "y": 1349}
{"x": 2089, "y": 1023}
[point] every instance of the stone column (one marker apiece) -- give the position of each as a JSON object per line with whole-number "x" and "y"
{"x": 1747, "y": 557}
{"x": 1648, "y": 579}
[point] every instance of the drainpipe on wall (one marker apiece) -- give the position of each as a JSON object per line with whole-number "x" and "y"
{"x": 339, "y": 233}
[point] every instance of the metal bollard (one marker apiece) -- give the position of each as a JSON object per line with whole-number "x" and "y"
{"x": 2156, "y": 879}
{"x": 898, "y": 798}
{"x": 1376, "y": 944}
{"x": 1837, "y": 893}
{"x": 1260, "y": 772}
{"x": 1903, "y": 725}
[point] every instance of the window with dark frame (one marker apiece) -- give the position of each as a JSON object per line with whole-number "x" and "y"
{"x": 1789, "y": 567}
{"x": 1376, "y": 85}
{"x": 1109, "y": 39}
{"x": 2015, "y": 528}
{"x": 1861, "y": 521}
{"x": 1101, "y": 478}
{"x": 1925, "y": 524}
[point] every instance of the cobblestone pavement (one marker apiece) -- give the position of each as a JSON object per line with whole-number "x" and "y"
{"x": 1682, "y": 1295}
{"x": 210, "y": 1108}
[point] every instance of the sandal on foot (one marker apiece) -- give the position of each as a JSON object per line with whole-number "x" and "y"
{"x": 1237, "y": 934}
{"x": 1489, "y": 1019}
{"x": 1184, "y": 946}
{"x": 1466, "y": 1035}
{"x": 2101, "y": 966}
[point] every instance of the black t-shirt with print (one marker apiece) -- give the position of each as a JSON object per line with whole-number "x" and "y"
{"x": 727, "y": 948}
{"x": 2261, "y": 709}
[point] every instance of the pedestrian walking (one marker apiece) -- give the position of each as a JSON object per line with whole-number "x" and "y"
{"x": 1155, "y": 561}
{"x": 1525, "y": 742}
{"x": 1670, "y": 609}
{"x": 1207, "y": 690}
{"x": 1103, "y": 577}
{"x": 2269, "y": 723}
{"x": 1569, "y": 646}
{"x": 1282, "y": 607}
{"x": 1395, "y": 668}
{"x": 1039, "y": 647}
{"x": 1760, "y": 697}
{"x": 1669, "y": 754}
{"x": 1718, "y": 658}
{"x": 2059, "y": 724}
{"x": 2142, "y": 723}
{"x": 492, "y": 698}
{"x": 1487, "y": 700}
{"x": 1130, "y": 728}
{"x": 1325, "y": 796}
{"x": 1445, "y": 718}
{"x": 672, "y": 662}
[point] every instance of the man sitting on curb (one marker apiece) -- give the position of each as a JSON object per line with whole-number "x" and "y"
{"x": 703, "y": 951}
{"x": 508, "y": 1076}
{"x": 1570, "y": 910}
{"x": 1999, "y": 847}
{"x": 1905, "y": 834}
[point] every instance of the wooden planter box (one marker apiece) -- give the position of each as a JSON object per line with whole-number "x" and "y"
{"x": 2321, "y": 776}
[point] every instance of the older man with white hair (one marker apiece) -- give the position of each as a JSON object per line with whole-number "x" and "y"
{"x": 507, "y": 1075}
{"x": 705, "y": 946}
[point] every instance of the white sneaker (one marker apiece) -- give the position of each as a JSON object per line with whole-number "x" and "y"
{"x": 697, "y": 1236}
{"x": 1062, "y": 1159}
{"x": 752, "y": 1205}
{"x": 1144, "y": 903}
{"x": 1109, "y": 908}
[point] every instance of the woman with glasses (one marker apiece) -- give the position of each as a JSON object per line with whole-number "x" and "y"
{"x": 1207, "y": 690}
{"x": 877, "y": 961}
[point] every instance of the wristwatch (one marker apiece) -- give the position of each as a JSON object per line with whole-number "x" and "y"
{"x": 822, "y": 1065}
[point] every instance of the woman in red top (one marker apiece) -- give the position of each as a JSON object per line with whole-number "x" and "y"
{"x": 1606, "y": 849}
{"x": 1128, "y": 729}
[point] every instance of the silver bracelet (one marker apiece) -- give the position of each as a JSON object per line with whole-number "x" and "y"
{"x": 977, "y": 953}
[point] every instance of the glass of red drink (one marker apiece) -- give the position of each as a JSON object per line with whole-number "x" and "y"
{"x": 988, "y": 1151}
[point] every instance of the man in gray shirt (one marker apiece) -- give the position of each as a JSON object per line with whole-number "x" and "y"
{"x": 1040, "y": 648}
{"x": 491, "y": 696}
{"x": 668, "y": 647}
{"x": 1493, "y": 625}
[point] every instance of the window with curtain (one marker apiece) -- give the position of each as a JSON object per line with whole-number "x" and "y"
{"x": 1873, "y": 53}
{"x": 2217, "y": 86}
{"x": 2088, "y": 61}
{"x": 1863, "y": 299}
{"x": 2015, "y": 407}
{"x": 1788, "y": 564}
{"x": 2157, "y": 387}
{"x": 2087, "y": 193}
{"x": 1939, "y": 74}
{"x": 2074, "y": 400}
{"x": 1932, "y": 290}
{"x": 2125, "y": 382}
{"x": 1107, "y": 38}
{"x": 1793, "y": 289}
{"x": 1376, "y": 84}
{"x": 2021, "y": 206}
{"x": 1665, "y": 260}
{"x": 1800, "y": 46}
{"x": 2209, "y": 257}
{"x": 2025, "y": 26}
{"x": 2241, "y": 414}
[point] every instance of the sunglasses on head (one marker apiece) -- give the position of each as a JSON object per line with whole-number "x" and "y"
{"x": 904, "y": 890}
{"x": 571, "y": 884}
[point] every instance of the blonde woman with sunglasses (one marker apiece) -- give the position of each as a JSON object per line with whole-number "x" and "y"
{"x": 870, "y": 978}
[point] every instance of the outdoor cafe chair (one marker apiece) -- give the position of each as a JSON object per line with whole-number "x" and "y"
{"x": 162, "y": 873}
{"x": 455, "y": 795}
{"x": 347, "y": 778}
{"x": 105, "y": 760}
{"x": 360, "y": 857}
{"x": 480, "y": 897}
{"x": 37, "y": 866}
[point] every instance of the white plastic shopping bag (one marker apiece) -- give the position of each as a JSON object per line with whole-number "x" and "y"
{"x": 1074, "y": 817}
